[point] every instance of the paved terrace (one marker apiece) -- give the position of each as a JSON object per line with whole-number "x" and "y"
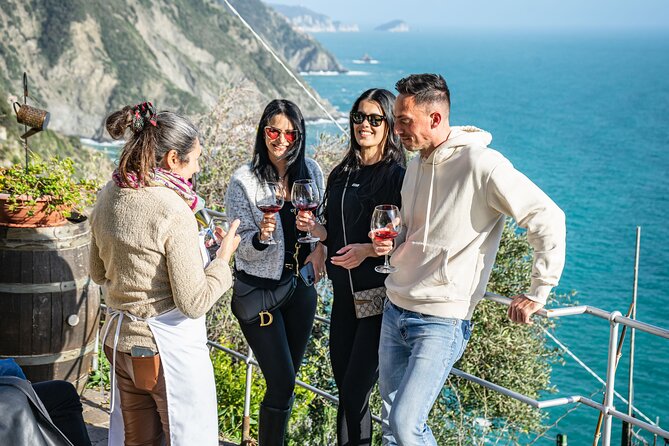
{"x": 96, "y": 416}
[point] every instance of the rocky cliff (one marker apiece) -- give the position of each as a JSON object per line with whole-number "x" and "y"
{"x": 306, "y": 20}
{"x": 302, "y": 51}
{"x": 88, "y": 57}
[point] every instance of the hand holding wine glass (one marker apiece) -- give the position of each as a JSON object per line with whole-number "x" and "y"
{"x": 269, "y": 199}
{"x": 229, "y": 241}
{"x": 219, "y": 226}
{"x": 306, "y": 197}
{"x": 385, "y": 226}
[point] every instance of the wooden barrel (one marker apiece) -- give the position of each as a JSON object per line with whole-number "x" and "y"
{"x": 49, "y": 307}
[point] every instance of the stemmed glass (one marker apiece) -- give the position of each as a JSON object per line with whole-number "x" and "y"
{"x": 269, "y": 199}
{"x": 219, "y": 222}
{"x": 386, "y": 222}
{"x": 209, "y": 220}
{"x": 306, "y": 197}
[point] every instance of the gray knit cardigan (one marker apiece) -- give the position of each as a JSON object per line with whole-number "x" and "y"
{"x": 240, "y": 203}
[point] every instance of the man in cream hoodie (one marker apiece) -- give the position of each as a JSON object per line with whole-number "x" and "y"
{"x": 455, "y": 197}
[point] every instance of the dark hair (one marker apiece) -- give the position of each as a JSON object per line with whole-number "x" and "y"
{"x": 393, "y": 150}
{"x": 148, "y": 144}
{"x": 296, "y": 167}
{"x": 425, "y": 88}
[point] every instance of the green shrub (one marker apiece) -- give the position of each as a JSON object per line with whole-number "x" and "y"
{"x": 230, "y": 377}
{"x": 100, "y": 378}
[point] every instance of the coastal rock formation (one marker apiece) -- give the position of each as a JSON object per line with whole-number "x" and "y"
{"x": 308, "y": 21}
{"x": 85, "y": 58}
{"x": 396, "y": 26}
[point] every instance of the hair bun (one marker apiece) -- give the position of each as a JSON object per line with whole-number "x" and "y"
{"x": 118, "y": 122}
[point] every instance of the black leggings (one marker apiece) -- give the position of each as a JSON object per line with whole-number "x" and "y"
{"x": 354, "y": 353}
{"x": 279, "y": 347}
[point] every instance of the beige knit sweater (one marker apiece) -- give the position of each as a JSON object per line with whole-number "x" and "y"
{"x": 145, "y": 253}
{"x": 453, "y": 207}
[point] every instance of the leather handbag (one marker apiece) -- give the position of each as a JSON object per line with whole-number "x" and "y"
{"x": 251, "y": 303}
{"x": 366, "y": 302}
{"x": 25, "y": 419}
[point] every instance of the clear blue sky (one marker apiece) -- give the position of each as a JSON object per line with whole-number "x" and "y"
{"x": 504, "y": 14}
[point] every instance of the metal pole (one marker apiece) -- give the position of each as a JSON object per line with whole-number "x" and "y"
{"x": 630, "y": 394}
{"x": 96, "y": 364}
{"x": 619, "y": 353}
{"x": 25, "y": 126}
{"x": 246, "y": 421}
{"x": 610, "y": 378}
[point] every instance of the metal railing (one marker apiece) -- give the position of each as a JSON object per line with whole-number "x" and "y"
{"x": 607, "y": 408}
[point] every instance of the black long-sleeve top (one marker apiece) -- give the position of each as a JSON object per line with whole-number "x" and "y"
{"x": 359, "y": 204}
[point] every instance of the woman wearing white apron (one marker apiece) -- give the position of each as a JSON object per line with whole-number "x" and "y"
{"x": 145, "y": 252}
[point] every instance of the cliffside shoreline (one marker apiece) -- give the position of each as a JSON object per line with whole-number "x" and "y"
{"x": 85, "y": 59}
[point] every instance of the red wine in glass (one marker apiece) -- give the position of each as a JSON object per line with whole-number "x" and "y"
{"x": 306, "y": 207}
{"x": 385, "y": 234}
{"x": 269, "y": 199}
{"x": 270, "y": 209}
{"x": 306, "y": 197}
{"x": 385, "y": 225}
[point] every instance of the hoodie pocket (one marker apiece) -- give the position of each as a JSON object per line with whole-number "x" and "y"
{"x": 422, "y": 271}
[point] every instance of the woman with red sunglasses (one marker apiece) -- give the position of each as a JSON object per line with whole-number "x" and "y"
{"x": 279, "y": 341}
{"x": 370, "y": 174}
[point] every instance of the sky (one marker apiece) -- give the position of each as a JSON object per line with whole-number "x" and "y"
{"x": 497, "y": 14}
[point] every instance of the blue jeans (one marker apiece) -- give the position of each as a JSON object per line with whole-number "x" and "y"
{"x": 416, "y": 354}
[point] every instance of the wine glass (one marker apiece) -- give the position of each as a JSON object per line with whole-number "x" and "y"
{"x": 269, "y": 199}
{"x": 220, "y": 222}
{"x": 385, "y": 225}
{"x": 306, "y": 197}
{"x": 207, "y": 228}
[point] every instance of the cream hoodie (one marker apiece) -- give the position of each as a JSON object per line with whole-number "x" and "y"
{"x": 453, "y": 209}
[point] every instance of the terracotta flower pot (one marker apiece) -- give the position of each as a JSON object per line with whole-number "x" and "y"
{"x": 21, "y": 218}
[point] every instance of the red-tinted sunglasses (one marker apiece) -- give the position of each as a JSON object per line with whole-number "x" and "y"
{"x": 273, "y": 133}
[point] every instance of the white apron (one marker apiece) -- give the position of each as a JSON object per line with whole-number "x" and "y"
{"x": 189, "y": 377}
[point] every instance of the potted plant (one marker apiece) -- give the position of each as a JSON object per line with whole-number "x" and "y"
{"x": 46, "y": 193}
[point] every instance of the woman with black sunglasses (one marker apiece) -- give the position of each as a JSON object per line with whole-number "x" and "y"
{"x": 370, "y": 174}
{"x": 278, "y": 339}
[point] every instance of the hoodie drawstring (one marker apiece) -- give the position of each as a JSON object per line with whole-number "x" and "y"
{"x": 429, "y": 208}
{"x": 458, "y": 137}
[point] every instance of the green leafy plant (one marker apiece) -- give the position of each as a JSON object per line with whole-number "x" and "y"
{"x": 50, "y": 180}
{"x": 100, "y": 378}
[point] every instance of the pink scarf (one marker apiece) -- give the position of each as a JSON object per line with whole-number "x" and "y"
{"x": 164, "y": 178}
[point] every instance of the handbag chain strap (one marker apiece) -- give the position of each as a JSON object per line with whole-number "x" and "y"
{"x": 343, "y": 227}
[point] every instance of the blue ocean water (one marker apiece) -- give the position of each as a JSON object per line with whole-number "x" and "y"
{"x": 586, "y": 117}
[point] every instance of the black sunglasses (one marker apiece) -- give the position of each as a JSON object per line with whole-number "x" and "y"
{"x": 373, "y": 119}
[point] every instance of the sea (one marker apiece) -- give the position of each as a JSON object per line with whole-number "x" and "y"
{"x": 585, "y": 115}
